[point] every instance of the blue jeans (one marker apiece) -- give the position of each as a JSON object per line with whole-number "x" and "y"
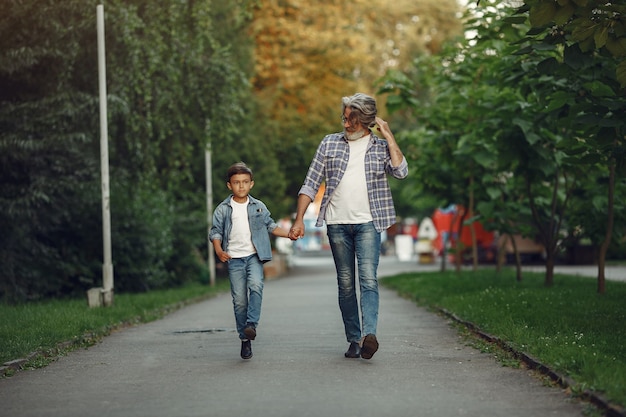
{"x": 361, "y": 242}
{"x": 246, "y": 287}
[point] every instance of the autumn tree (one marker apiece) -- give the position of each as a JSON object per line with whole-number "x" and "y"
{"x": 310, "y": 54}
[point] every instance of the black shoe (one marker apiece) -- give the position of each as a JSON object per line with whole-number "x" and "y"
{"x": 250, "y": 332}
{"x": 246, "y": 349}
{"x": 369, "y": 347}
{"x": 354, "y": 351}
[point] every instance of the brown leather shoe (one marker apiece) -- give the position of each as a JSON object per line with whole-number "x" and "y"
{"x": 354, "y": 351}
{"x": 250, "y": 332}
{"x": 369, "y": 347}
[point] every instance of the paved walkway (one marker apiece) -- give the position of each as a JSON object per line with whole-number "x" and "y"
{"x": 188, "y": 364}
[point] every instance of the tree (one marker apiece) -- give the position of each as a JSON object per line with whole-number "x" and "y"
{"x": 517, "y": 152}
{"x": 45, "y": 135}
{"x": 174, "y": 69}
{"x": 592, "y": 36}
{"x": 310, "y": 54}
{"x": 454, "y": 95}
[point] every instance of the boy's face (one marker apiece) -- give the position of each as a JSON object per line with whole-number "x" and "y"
{"x": 240, "y": 185}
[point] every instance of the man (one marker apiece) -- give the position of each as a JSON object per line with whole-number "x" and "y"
{"x": 357, "y": 207}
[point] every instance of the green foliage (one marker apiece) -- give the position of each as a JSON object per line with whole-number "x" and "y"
{"x": 594, "y": 25}
{"x": 568, "y": 327}
{"x": 176, "y": 78}
{"x": 144, "y": 220}
{"x": 590, "y": 102}
{"x": 519, "y": 120}
{"x": 47, "y": 162}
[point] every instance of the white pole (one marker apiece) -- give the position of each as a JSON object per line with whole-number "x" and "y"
{"x": 209, "y": 205}
{"x": 107, "y": 267}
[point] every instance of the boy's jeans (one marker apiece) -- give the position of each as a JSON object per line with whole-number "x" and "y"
{"x": 246, "y": 287}
{"x": 362, "y": 241}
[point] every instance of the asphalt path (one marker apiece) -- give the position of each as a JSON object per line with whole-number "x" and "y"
{"x": 187, "y": 364}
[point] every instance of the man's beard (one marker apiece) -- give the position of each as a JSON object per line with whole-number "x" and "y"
{"x": 354, "y": 135}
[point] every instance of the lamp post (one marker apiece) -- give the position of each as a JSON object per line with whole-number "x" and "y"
{"x": 107, "y": 267}
{"x": 209, "y": 204}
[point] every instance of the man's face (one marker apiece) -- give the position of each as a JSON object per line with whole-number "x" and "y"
{"x": 352, "y": 128}
{"x": 240, "y": 185}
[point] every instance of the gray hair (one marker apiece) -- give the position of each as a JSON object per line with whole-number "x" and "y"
{"x": 363, "y": 108}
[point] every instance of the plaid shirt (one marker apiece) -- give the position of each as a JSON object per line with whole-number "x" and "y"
{"x": 330, "y": 163}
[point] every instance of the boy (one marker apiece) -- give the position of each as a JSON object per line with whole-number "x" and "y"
{"x": 240, "y": 236}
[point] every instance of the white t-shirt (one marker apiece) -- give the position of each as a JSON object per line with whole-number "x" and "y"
{"x": 240, "y": 239}
{"x": 349, "y": 203}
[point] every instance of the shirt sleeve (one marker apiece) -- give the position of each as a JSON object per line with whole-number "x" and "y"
{"x": 399, "y": 172}
{"x": 315, "y": 174}
{"x": 217, "y": 227}
{"x": 270, "y": 224}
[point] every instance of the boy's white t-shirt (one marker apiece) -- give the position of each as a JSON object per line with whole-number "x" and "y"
{"x": 349, "y": 203}
{"x": 240, "y": 239}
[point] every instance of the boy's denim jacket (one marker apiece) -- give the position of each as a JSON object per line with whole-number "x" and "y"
{"x": 261, "y": 225}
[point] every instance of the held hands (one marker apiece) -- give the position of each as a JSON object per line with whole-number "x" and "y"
{"x": 297, "y": 230}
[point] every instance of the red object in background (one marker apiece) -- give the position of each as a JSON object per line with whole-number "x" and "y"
{"x": 451, "y": 215}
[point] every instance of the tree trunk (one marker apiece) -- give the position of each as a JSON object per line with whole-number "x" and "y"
{"x": 471, "y": 226}
{"x": 456, "y": 249}
{"x": 459, "y": 243}
{"x": 518, "y": 259}
{"x": 601, "y": 261}
{"x": 474, "y": 248}
{"x": 549, "y": 281}
{"x": 550, "y": 233}
{"x": 609, "y": 229}
{"x": 444, "y": 252}
{"x": 501, "y": 254}
{"x": 550, "y": 247}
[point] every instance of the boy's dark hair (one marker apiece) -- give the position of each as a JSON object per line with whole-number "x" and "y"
{"x": 238, "y": 168}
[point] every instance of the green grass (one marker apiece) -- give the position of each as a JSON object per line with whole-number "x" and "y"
{"x": 45, "y": 328}
{"x": 568, "y": 327}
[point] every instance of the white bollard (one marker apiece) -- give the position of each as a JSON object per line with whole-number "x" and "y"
{"x": 404, "y": 247}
